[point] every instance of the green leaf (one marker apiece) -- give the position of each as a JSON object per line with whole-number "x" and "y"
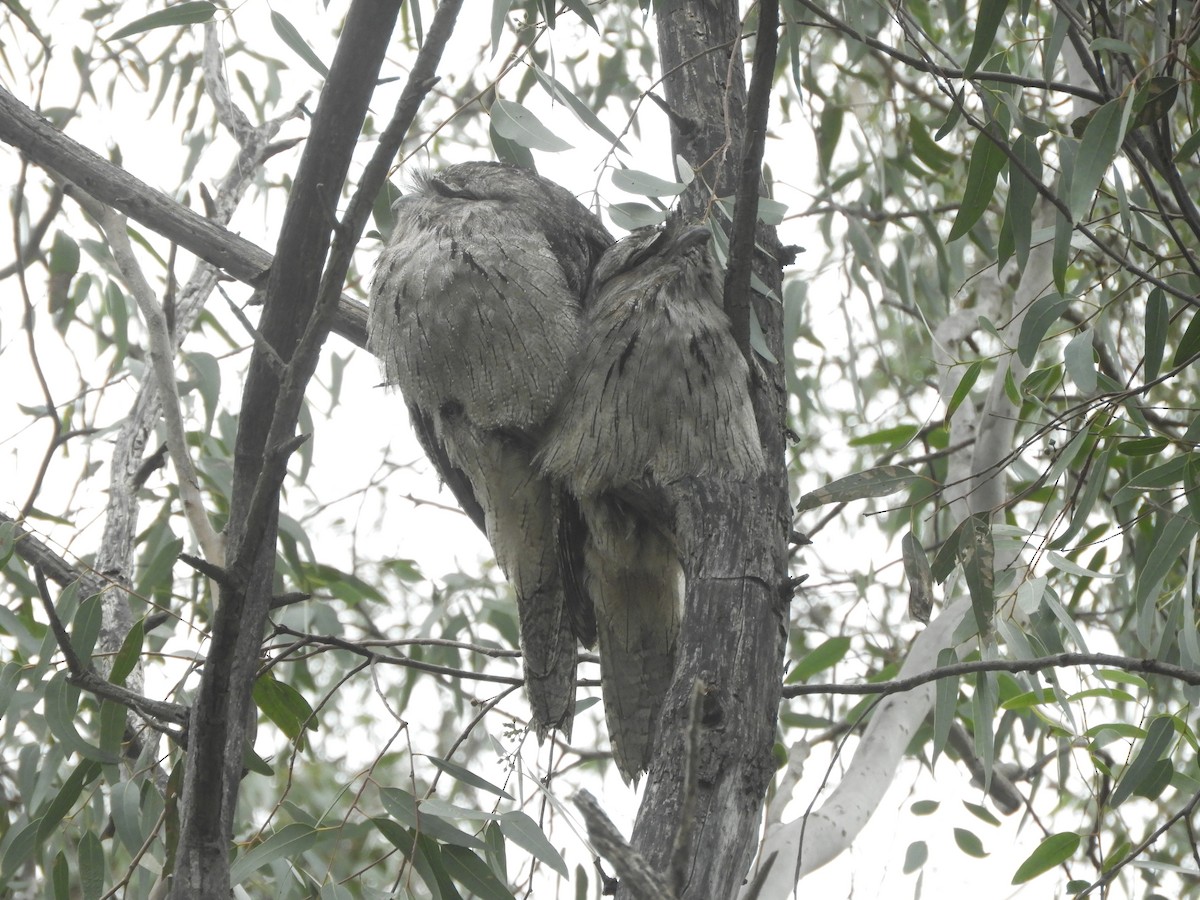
{"x": 925, "y": 807}
{"x": 1042, "y": 313}
{"x": 829, "y": 132}
{"x": 1157, "y": 319}
{"x": 896, "y": 436}
{"x": 56, "y": 810}
{"x": 1097, "y": 150}
{"x": 466, "y": 776}
{"x": 60, "y": 877}
{"x": 519, "y": 124}
{"x": 92, "y": 870}
{"x": 1051, "y": 852}
{"x": 510, "y": 151}
{"x": 10, "y": 675}
{"x": 991, "y": 14}
{"x": 582, "y": 111}
{"x": 969, "y": 376}
{"x": 1080, "y": 361}
{"x": 979, "y": 557}
{"x": 987, "y": 159}
{"x": 127, "y": 657}
{"x": 915, "y": 856}
{"x": 1189, "y": 344}
{"x": 823, "y": 657}
{"x": 285, "y": 706}
{"x": 85, "y": 627}
{"x": 21, "y": 847}
{"x": 644, "y": 184}
{"x": 473, "y": 873}
{"x": 519, "y": 828}
{"x": 1022, "y": 194}
{"x": 632, "y": 216}
{"x": 402, "y": 806}
{"x": 1169, "y": 473}
{"x": 499, "y": 14}
{"x": 1171, "y": 539}
{"x": 289, "y": 842}
{"x": 179, "y": 14}
{"x": 969, "y": 843}
{"x": 945, "y": 703}
{"x": 982, "y": 813}
{"x": 1147, "y": 446}
{"x": 290, "y": 36}
{"x": 920, "y": 578}
{"x": 62, "y": 704}
{"x": 877, "y": 482}
{"x": 1061, "y": 258}
{"x": 1159, "y": 737}
{"x": 64, "y": 255}
{"x": 497, "y": 849}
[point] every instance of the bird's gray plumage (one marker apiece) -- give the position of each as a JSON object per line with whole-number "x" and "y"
{"x": 475, "y": 312}
{"x": 660, "y": 394}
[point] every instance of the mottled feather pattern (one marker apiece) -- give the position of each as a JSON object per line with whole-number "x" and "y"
{"x": 475, "y": 311}
{"x": 562, "y": 433}
{"x": 659, "y": 393}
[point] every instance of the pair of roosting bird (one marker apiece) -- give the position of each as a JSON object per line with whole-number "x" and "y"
{"x": 563, "y": 385}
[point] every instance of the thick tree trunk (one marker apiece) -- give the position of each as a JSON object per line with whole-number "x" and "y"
{"x": 701, "y": 811}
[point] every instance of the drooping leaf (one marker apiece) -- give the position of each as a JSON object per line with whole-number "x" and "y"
{"x": 1080, "y": 361}
{"x": 644, "y": 184}
{"x": 1159, "y": 737}
{"x": 465, "y": 867}
{"x": 1043, "y": 312}
{"x": 825, "y": 656}
{"x": 920, "y": 578}
{"x": 1157, "y": 319}
{"x": 517, "y": 123}
{"x": 285, "y": 706}
{"x": 1189, "y": 344}
{"x": 289, "y": 34}
{"x": 915, "y": 856}
{"x": 877, "y": 482}
{"x": 510, "y": 151}
{"x": 582, "y": 111}
{"x": 969, "y": 376}
{"x": 519, "y": 828}
{"x": 180, "y": 14}
{"x": 979, "y": 556}
{"x": 466, "y": 776}
{"x": 991, "y": 14}
{"x": 987, "y": 160}
{"x": 92, "y": 870}
{"x": 969, "y": 843}
{"x": 1097, "y": 150}
{"x": 62, "y": 704}
{"x": 1022, "y": 194}
{"x": 1052, "y": 852}
{"x": 288, "y": 842}
{"x": 403, "y": 807}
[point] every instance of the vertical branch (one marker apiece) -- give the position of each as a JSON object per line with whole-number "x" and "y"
{"x": 733, "y": 535}
{"x": 162, "y": 364}
{"x": 300, "y": 306}
{"x": 745, "y": 211}
{"x": 267, "y": 423}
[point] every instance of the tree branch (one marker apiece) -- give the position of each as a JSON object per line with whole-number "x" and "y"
{"x": 745, "y": 211}
{"x": 110, "y": 184}
{"x": 1037, "y": 664}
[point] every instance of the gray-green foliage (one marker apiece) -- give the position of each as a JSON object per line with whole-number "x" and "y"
{"x": 932, "y": 195}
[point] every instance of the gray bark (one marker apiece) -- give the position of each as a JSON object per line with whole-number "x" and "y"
{"x": 700, "y": 814}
